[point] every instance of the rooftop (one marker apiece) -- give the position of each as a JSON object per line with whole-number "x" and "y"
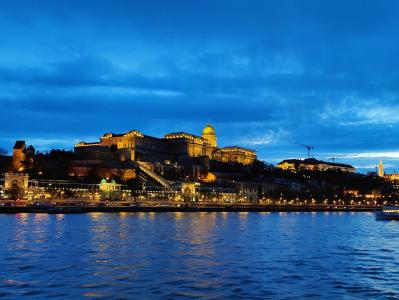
{"x": 313, "y": 161}
{"x": 19, "y": 145}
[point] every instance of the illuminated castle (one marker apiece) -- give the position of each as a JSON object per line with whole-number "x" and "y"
{"x": 179, "y": 147}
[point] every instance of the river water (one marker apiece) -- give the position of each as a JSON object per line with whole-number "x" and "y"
{"x": 199, "y": 255}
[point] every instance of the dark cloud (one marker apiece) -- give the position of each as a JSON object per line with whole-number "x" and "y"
{"x": 266, "y": 74}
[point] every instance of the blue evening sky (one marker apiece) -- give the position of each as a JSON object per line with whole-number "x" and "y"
{"x": 265, "y": 74}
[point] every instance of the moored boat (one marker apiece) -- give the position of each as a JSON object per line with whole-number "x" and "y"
{"x": 387, "y": 213}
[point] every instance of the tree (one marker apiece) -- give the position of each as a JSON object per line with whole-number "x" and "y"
{"x": 3, "y": 151}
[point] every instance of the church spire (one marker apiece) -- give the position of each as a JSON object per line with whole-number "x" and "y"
{"x": 381, "y": 172}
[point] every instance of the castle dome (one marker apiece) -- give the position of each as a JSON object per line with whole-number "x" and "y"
{"x": 209, "y": 135}
{"x": 208, "y": 130}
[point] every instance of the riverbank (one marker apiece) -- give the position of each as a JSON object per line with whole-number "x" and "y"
{"x": 186, "y": 208}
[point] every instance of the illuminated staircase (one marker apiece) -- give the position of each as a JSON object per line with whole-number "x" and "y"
{"x": 146, "y": 169}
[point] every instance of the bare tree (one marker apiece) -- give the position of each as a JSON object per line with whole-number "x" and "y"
{"x": 3, "y": 151}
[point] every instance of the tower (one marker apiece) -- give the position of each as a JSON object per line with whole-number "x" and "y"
{"x": 381, "y": 172}
{"x": 19, "y": 156}
{"x": 209, "y": 135}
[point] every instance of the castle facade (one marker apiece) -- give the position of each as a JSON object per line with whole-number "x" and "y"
{"x": 173, "y": 147}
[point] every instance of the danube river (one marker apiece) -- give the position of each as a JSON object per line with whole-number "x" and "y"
{"x": 191, "y": 255}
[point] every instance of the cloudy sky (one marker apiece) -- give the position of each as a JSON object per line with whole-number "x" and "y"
{"x": 265, "y": 74}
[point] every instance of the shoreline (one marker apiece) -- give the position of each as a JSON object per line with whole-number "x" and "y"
{"x": 191, "y": 208}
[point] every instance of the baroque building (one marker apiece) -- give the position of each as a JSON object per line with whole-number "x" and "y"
{"x": 135, "y": 146}
{"x": 177, "y": 148}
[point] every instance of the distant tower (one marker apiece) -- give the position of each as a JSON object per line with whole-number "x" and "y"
{"x": 19, "y": 156}
{"x": 209, "y": 135}
{"x": 381, "y": 172}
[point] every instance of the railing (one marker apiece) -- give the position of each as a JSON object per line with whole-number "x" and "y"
{"x": 146, "y": 169}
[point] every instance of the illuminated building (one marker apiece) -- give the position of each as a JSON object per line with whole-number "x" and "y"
{"x": 235, "y": 154}
{"x": 175, "y": 155}
{"x": 15, "y": 184}
{"x": 311, "y": 164}
{"x": 110, "y": 190}
{"x": 22, "y": 156}
{"x": 381, "y": 172}
{"x": 209, "y": 135}
{"x": 175, "y": 147}
{"x": 392, "y": 177}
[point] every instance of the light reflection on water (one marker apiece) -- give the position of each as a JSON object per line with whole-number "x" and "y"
{"x": 210, "y": 255}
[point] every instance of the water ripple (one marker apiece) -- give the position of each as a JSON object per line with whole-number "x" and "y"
{"x": 199, "y": 255}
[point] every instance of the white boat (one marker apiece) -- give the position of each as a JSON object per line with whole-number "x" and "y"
{"x": 387, "y": 213}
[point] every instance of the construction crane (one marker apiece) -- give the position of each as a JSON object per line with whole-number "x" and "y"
{"x": 308, "y": 147}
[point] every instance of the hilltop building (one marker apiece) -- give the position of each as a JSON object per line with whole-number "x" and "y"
{"x": 393, "y": 177}
{"x": 22, "y": 156}
{"x": 177, "y": 154}
{"x": 312, "y": 164}
{"x": 135, "y": 146}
